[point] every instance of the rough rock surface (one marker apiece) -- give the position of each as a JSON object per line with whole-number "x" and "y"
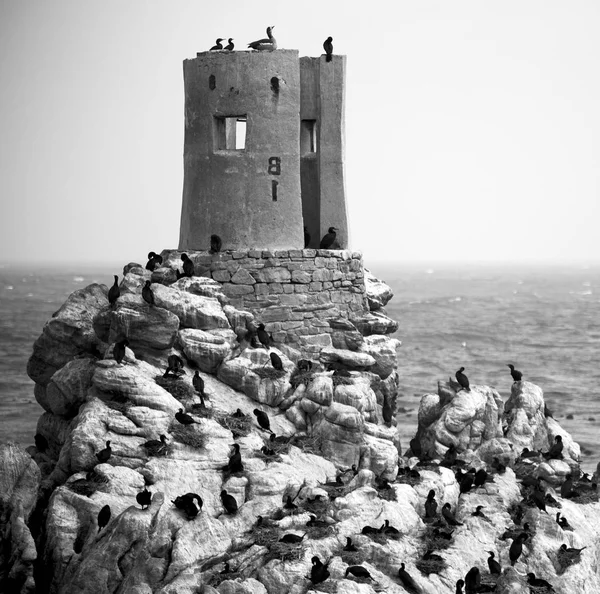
{"x": 333, "y": 416}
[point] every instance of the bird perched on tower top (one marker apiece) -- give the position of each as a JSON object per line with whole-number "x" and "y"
{"x": 328, "y": 238}
{"x": 265, "y": 45}
{"x": 229, "y": 47}
{"x": 328, "y": 47}
{"x": 218, "y": 46}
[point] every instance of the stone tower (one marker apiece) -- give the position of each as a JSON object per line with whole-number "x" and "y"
{"x": 263, "y": 150}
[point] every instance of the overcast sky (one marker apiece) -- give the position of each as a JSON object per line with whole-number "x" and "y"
{"x": 473, "y": 127}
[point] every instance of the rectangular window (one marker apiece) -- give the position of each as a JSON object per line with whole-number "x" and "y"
{"x": 308, "y": 136}
{"x": 230, "y": 133}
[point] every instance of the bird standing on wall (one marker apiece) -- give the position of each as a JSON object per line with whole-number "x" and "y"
{"x": 215, "y": 244}
{"x": 328, "y": 238}
{"x": 269, "y": 44}
{"x": 218, "y": 46}
{"x": 229, "y": 47}
{"x": 328, "y": 47}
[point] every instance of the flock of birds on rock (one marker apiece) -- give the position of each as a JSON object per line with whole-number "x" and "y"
{"x": 267, "y": 44}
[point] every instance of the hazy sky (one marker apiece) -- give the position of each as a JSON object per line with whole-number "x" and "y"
{"x": 473, "y": 127}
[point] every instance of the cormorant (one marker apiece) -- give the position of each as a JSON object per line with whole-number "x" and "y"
{"x": 114, "y": 292}
{"x": 198, "y": 383}
{"x": 229, "y": 47}
{"x": 466, "y": 482}
{"x": 369, "y": 530}
{"x": 147, "y": 294}
{"x": 268, "y": 44}
{"x": 563, "y": 522}
{"x": 407, "y": 581}
{"x": 316, "y": 523}
{"x": 539, "y": 498}
{"x": 174, "y": 366}
{"x": 263, "y": 420}
{"x": 459, "y": 586}
{"x": 472, "y": 580}
{"x": 555, "y": 452}
{"x": 431, "y": 505}
{"x": 188, "y": 266}
{"x": 319, "y": 572}
{"x": 462, "y": 379}
{"x": 154, "y": 447}
{"x": 104, "y": 454}
{"x": 41, "y": 443}
{"x": 184, "y": 418}
{"x": 527, "y": 453}
{"x": 328, "y": 238}
{"x": 103, "y": 517}
{"x": 238, "y": 414}
{"x": 229, "y": 502}
{"x": 479, "y": 514}
{"x": 449, "y": 516}
{"x": 516, "y": 375}
{"x": 387, "y": 529}
{"x": 328, "y": 47}
{"x": 538, "y": 582}
{"x": 442, "y": 534}
{"x": 566, "y": 489}
{"x": 516, "y": 548}
{"x": 547, "y": 411}
{"x": 235, "y": 460}
{"x": 480, "y": 477}
{"x": 154, "y": 260}
{"x": 186, "y": 504}
{"x": 306, "y": 237}
{"x": 276, "y": 361}
{"x": 263, "y": 336}
{"x": 571, "y": 551}
{"x": 358, "y": 571}
{"x": 119, "y": 350}
{"x": 215, "y": 244}
{"x": 349, "y": 546}
{"x": 144, "y": 498}
{"x": 218, "y": 46}
{"x": 495, "y": 567}
{"x": 292, "y": 538}
{"x": 304, "y": 365}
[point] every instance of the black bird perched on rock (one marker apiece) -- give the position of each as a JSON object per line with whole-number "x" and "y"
{"x": 229, "y": 502}
{"x": 349, "y": 546}
{"x": 238, "y": 414}
{"x": 215, "y": 244}
{"x": 103, "y": 517}
{"x": 104, "y": 454}
{"x": 538, "y": 582}
{"x": 306, "y": 237}
{"x": 358, "y": 571}
{"x": 539, "y": 498}
{"x": 407, "y": 581}
{"x": 516, "y": 375}
{"x": 472, "y": 580}
{"x": 147, "y": 294}
{"x": 512, "y": 533}
{"x": 547, "y": 411}
{"x": 235, "y": 460}
{"x": 481, "y": 477}
{"x": 527, "y": 453}
{"x": 462, "y": 379}
{"x": 566, "y": 489}
{"x": 387, "y": 529}
{"x": 198, "y": 384}
{"x": 479, "y": 514}
{"x": 555, "y": 452}
{"x": 154, "y": 261}
{"x": 571, "y": 551}
{"x": 114, "y": 293}
{"x": 154, "y": 447}
{"x": 41, "y": 443}
{"x": 466, "y": 482}
{"x": 443, "y": 534}
{"x": 459, "y": 586}
{"x": 174, "y": 366}
{"x": 119, "y": 350}
{"x": 262, "y": 420}
{"x": 144, "y": 498}
{"x": 304, "y": 365}
{"x": 276, "y": 361}
{"x": 263, "y": 336}
{"x": 268, "y": 44}
{"x": 563, "y": 522}
{"x": 316, "y": 523}
{"x": 431, "y": 505}
{"x": 319, "y": 572}
{"x": 188, "y": 266}
{"x": 186, "y": 504}
{"x": 218, "y": 46}
{"x": 449, "y": 516}
{"x": 292, "y": 538}
{"x": 328, "y": 47}
{"x": 494, "y": 566}
{"x": 516, "y": 548}
{"x": 184, "y": 418}
{"x": 229, "y": 47}
{"x": 386, "y": 411}
{"x": 328, "y": 238}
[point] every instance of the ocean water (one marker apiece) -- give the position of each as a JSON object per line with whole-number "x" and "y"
{"x": 545, "y": 320}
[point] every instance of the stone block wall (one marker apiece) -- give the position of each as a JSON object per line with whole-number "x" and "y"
{"x": 295, "y": 293}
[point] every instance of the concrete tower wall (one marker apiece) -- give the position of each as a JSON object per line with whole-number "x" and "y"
{"x": 249, "y": 197}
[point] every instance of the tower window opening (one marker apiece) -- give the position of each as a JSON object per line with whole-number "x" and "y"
{"x": 308, "y": 136}
{"x": 230, "y": 133}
